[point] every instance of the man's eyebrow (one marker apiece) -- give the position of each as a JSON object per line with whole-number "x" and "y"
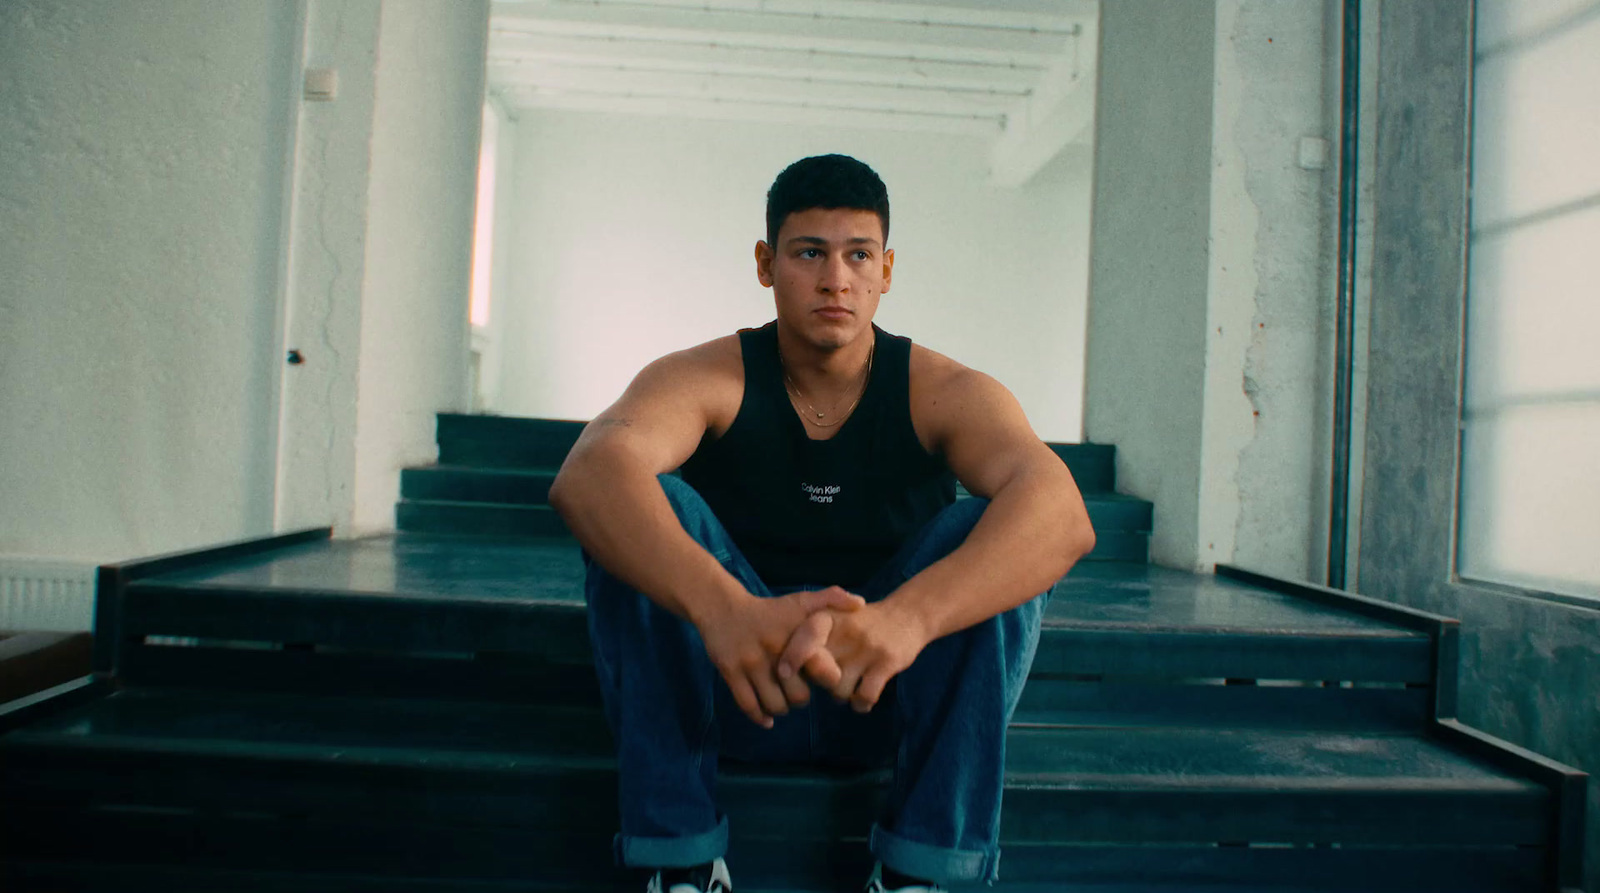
{"x": 818, "y": 240}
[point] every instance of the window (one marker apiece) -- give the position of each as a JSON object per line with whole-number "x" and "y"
{"x": 1530, "y": 473}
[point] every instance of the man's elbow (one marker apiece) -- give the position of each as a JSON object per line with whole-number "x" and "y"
{"x": 1083, "y": 538}
{"x": 560, "y": 496}
{"x": 1077, "y": 531}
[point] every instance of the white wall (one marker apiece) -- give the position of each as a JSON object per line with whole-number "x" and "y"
{"x": 1147, "y": 317}
{"x": 501, "y": 259}
{"x": 414, "y": 328}
{"x": 140, "y": 210}
{"x": 634, "y": 236}
{"x": 172, "y": 216}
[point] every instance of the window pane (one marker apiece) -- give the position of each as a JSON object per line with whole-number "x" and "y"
{"x": 1530, "y": 498}
{"x": 1536, "y": 127}
{"x": 1530, "y": 464}
{"x": 1533, "y": 318}
{"x": 1505, "y": 21}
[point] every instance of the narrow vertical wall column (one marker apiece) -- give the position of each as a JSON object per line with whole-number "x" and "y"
{"x": 1265, "y": 446}
{"x": 379, "y": 253}
{"x": 322, "y": 301}
{"x": 1149, "y": 257}
{"x": 422, "y": 193}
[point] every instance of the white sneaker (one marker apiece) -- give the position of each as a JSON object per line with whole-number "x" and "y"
{"x": 712, "y": 878}
{"x": 875, "y": 884}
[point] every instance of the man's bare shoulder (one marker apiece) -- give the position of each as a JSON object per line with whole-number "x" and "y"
{"x": 943, "y": 391}
{"x": 936, "y": 379}
{"x": 711, "y": 357}
{"x": 711, "y": 375}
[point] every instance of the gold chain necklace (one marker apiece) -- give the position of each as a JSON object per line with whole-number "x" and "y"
{"x": 794, "y": 390}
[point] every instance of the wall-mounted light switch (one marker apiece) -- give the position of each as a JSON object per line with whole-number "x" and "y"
{"x": 322, "y": 84}
{"x": 1313, "y": 153}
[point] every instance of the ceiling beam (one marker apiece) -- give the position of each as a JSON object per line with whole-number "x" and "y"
{"x": 770, "y": 31}
{"x": 1057, "y": 114}
{"x": 560, "y": 79}
{"x": 642, "y": 55}
{"x": 768, "y": 113}
{"x": 1027, "y": 15}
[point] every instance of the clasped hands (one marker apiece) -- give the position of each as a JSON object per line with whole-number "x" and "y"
{"x": 770, "y": 650}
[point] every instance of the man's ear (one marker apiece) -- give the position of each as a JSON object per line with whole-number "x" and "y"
{"x": 764, "y": 263}
{"x": 888, "y": 269}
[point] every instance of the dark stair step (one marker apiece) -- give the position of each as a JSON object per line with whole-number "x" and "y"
{"x": 181, "y": 853}
{"x": 478, "y": 518}
{"x": 498, "y": 519}
{"x": 462, "y": 483}
{"x": 513, "y": 442}
{"x": 531, "y": 487}
{"x": 467, "y": 595}
{"x": 504, "y": 441}
{"x": 462, "y": 774}
{"x": 32, "y": 661}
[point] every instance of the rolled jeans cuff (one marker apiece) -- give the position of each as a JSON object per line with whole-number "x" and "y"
{"x": 672, "y": 852}
{"x": 942, "y": 865}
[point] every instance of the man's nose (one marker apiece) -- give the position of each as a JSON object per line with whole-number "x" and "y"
{"x": 835, "y": 276}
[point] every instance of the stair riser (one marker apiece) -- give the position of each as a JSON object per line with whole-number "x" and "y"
{"x": 580, "y": 802}
{"x": 410, "y": 854}
{"x": 505, "y": 442}
{"x": 503, "y": 679}
{"x": 505, "y": 520}
{"x": 460, "y": 485}
{"x": 508, "y": 491}
{"x": 479, "y": 520}
{"x": 558, "y": 633}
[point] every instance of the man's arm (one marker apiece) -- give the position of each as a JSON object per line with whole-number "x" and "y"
{"x": 1035, "y": 528}
{"x": 608, "y": 493}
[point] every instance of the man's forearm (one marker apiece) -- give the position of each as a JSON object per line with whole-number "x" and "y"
{"x": 1031, "y": 534}
{"x": 620, "y": 514}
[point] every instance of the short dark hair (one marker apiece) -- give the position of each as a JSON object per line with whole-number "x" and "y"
{"x": 825, "y": 181}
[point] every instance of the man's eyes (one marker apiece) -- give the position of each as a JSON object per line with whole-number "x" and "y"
{"x": 809, "y": 253}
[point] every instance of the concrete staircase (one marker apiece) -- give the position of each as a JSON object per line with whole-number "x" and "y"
{"x": 494, "y": 475}
{"x": 417, "y": 712}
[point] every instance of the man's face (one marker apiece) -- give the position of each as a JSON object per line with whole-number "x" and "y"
{"x": 827, "y": 272}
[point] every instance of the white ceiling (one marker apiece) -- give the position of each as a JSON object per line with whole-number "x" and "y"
{"x": 1020, "y": 72}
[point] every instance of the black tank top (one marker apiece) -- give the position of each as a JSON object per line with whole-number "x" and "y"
{"x": 825, "y": 512}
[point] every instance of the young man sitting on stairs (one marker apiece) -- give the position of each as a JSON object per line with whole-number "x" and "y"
{"x": 814, "y": 541}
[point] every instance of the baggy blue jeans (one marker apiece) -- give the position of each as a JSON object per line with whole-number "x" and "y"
{"x": 941, "y": 723}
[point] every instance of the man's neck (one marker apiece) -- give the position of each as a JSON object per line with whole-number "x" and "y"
{"x": 822, "y": 370}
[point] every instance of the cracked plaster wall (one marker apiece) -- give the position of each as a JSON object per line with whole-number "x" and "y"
{"x": 141, "y": 187}
{"x": 1266, "y": 444}
{"x": 380, "y": 244}
{"x": 1210, "y": 309}
{"x": 327, "y": 255}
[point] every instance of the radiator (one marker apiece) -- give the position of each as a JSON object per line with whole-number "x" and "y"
{"x": 42, "y": 594}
